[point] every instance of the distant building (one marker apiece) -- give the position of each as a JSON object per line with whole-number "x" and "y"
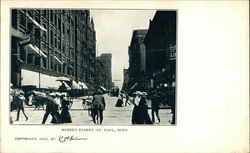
{"x": 47, "y": 44}
{"x": 125, "y": 85}
{"x": 100, "y": 74}
{"x": 137, "y": 56}
{"x": 106, "y": 59}
{"x": 160, "y": 43}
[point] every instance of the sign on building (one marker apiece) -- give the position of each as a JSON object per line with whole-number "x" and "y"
{"x": 172, "y": 52}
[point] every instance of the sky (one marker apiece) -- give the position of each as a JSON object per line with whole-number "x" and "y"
{"x": 114, "y": 30}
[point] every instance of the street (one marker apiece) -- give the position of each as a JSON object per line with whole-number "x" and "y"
{"x": 116, "y": 116}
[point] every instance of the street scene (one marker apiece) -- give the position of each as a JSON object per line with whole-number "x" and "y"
{"x": 120, "y": 116}
{"x": 93, "y": 67}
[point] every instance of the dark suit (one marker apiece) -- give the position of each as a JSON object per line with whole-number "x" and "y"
{"x": 98, "y": 106}
{"x": 52, "y": 109}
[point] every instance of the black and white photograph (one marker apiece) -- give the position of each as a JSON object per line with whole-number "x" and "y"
{"x": 93, "y": 67}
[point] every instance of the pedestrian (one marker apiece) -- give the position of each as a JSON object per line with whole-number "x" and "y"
{"x": 172, "y": 105}
{"x": 155, "y": 100}
{"x": 65, "y": 115}
{"x": 18, "y": 101}
{"x": 98, "y": 106}
{"x": 119, "y": 102}
{"x": 52, "y": 109}
{"x": 140, "y": 112}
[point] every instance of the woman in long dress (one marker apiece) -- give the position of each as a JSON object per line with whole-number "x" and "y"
{"x": 65, "y": 115}
{"x": 140, "y": 112}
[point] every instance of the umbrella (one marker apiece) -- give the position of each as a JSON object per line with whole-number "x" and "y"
{"x": 82, "y": 85}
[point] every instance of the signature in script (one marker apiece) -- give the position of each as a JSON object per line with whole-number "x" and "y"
{"x": 70, "y": 138}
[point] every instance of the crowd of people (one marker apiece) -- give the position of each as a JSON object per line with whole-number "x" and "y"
{"x": 140, "y": 113}
{"x": 57, "y": 105}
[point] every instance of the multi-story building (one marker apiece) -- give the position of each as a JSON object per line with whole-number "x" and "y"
{"x": 137, "y": 56}
{"x": 106, "y": 59}
{"x": 47, "y": 44}
{"x": 160, "y": 43}
{"x": 85, "y": 41}
{"x": 125, "y": 86}
{"x": 100, "y": 75}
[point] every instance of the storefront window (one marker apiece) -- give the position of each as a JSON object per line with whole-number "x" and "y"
{"x": 37, "y": 61}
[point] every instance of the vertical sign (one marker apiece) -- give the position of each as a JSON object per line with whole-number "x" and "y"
{"x": 172, "y": 52}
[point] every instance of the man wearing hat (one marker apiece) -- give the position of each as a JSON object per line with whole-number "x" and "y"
{"x": 19, "y": 100}
{"x": 52, "y": 109}
{"x": 98, "y": 106}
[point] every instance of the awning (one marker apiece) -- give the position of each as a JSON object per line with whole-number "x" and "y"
{"x": 62, "y": 79}
{"x": 66, "y": 85}
{"x": 104, "y": 89}
{"x": 75, "y": 85}
{"x": 36, "y": 50}
{"x": 90, "y": 87}
{"x": 82, "y": 85}
{"x": 36, "y": 23}
{"x": 57, "y": 60}
{"x": 40, "y": 52}
{"x": 24, "y": 42}
{"x": 16, "y": 33}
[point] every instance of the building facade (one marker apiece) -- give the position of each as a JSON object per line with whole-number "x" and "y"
{"x": 106, "y": 59}
{"x": 125, "y": 85}
{"x": 137, "y": 57}
{"x": 47, "y": 44}
{"x": 160, "y": 43}
{"x": 101, "y": 78}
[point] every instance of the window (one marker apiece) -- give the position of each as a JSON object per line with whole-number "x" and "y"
{"x": 22, "y": 54}
{"x": 14, "y": 18}
{"x": 22, "y": 19}
{"x": 55, "y": 19}
{"x": 63, "y": 48}
{"x": 37, "y": 61}
{"x": 30, "y": 58}
{"x": 44, "y": 37}
{"x": 44, "y": 60}
{"x": 59, "y": 43}
{"x": 63, "y": 28}
{"x": 51, "y": 15}
{"x": 55, "y": 41}
{"x": 37, "y": 36}
{"x": 51, "y": 38}
{"x": 51, "y": 63}
{"x": 44, "y": 13}
{"x": 59, "y": 24}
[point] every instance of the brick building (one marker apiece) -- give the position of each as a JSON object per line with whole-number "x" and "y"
{"x": 47, "y": 44}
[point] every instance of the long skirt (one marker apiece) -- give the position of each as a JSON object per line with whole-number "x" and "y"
{"x": 119, "y": 103}
{"x": 65, "y": 116}
{"x": 140, "y": 115}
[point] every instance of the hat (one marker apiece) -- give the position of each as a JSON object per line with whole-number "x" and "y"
{"x": 138, "y": 93}
{"x": 144, "y": 94}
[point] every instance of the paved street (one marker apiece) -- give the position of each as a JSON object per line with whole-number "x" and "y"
{"x": 112, "y": 115}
